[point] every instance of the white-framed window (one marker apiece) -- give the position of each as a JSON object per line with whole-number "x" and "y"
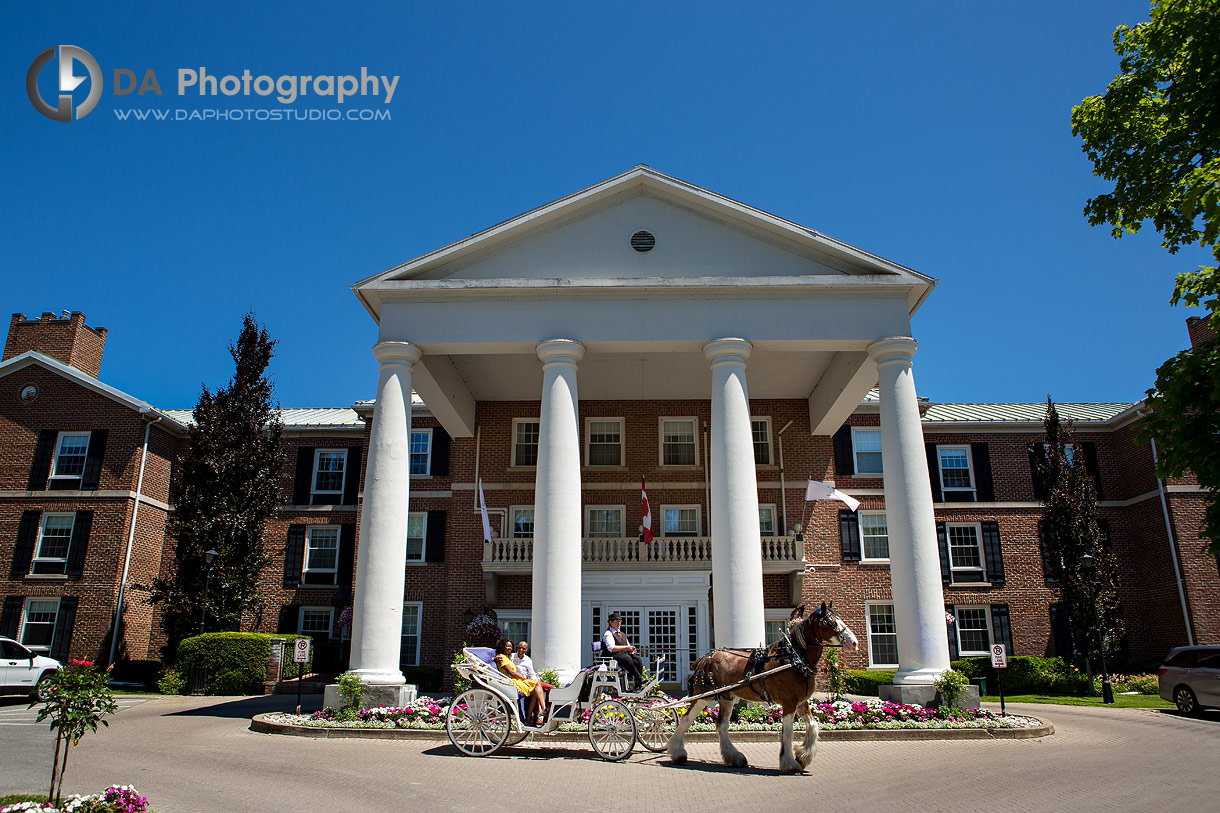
{"x": 604, "y": 520}
{"x": 516, "y": 625}
{"x": 421, "y": 452}
{"x": 412, "y": 618}
{"x": 54, "y": 541}
{"x": 317, "y": 621}
{"x": 70, "y": 451}
{"x": 760, "y": 428}
{"x": 774, "y": 623}
{"x": 521, "y": 518}
{"x": 525, "y": 441}
{"x": 417, "y": 536}
{"x": 973, "y": 630}
{"x": 38, "y": 624}
{"x": 866, "y": 449}
{"x": 321, "y": 554}
{"x": 882, "y": 635}
{"x": 680, "y": 520}
{"x": 679, "y": 446}
{"x": 604, "y": 442}
{"x": 965, "y": 551}
{"x": 766, "y": 520}
{"x": 955, "y": 474}
{"x": 1069, "y": 451}
{"x": 328, "y": 468}
{"x": 874, "y": 537}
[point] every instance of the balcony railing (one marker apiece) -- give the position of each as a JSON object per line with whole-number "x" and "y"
{"x": 780, "y": 554}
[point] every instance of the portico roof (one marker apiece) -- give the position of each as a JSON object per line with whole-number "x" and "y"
{"x": 643, "y": 269}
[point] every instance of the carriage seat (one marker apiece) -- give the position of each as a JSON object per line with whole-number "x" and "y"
{"x": 601, "y": 658}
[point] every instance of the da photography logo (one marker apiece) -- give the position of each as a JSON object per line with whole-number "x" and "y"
{"x": 69, "y": 55}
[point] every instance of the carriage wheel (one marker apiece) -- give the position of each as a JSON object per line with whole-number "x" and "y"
{"x": 654, "y": 725}
{"x": 612, "y": 730}
{"x": 478, "y": 722}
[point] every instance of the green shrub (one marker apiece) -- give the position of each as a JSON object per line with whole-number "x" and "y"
{"x": 460, "y": 684}
{"x": 836, "y": 675}
{"x": 950, "y": 687}
{"x": 236, "y": 661}
{"x": 552, "y": 677}
{"x": 1027, "y": 674}
{"x": 866, "y": 681}
{"x": 1144, "y": 684}
{"x": 171, "y": 681}
{"x": 351, "y": 690}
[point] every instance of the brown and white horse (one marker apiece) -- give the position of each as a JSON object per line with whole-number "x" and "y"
{"x": 790, "y": 688}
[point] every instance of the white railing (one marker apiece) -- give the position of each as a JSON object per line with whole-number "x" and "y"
{"x": 628, "y": 552}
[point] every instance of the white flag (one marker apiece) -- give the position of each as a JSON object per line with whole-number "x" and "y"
{"x": 646, "y": 522}
{"x": 820, "y": 491}
{"x": 483, "y": 509}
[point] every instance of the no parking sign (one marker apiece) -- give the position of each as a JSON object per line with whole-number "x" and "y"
{"x": 300, "y": 651}
{"x": 999, "y": 656}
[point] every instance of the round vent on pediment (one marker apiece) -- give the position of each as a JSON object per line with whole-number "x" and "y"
{"x": 29, "y": 394}
{"x": 643, "y": 241}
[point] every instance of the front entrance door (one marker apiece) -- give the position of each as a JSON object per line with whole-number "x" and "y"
{"x": 654, "y": 631}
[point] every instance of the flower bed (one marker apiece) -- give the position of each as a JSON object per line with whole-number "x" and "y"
{"x": 427, "y": 714}
{"x": 114, "y": 799}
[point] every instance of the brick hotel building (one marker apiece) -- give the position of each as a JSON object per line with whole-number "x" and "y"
{"x": 559, "y": 358}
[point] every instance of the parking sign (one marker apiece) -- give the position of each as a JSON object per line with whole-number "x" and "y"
{"x": 999, "y": 656}
{"x": 300, "y": 651}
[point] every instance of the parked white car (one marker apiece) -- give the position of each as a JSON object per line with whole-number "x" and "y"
{"x": 21, "y": 669}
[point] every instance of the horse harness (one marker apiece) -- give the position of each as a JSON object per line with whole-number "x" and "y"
{"x": 787, "y": 651}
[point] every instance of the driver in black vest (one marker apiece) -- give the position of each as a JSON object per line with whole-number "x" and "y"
{"x": 615, "y": 643}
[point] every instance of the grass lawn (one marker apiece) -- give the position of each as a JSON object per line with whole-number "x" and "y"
{"x": 21, "y": 797}
{"x": 1121, "y": 701}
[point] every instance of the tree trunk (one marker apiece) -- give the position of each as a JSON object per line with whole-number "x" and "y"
{"x": 59, "y": 738}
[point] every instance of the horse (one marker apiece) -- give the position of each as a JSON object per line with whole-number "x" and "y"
{"x": 790, "y": 688}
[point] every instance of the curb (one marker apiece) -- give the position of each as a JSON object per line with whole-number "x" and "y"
{"x": 261, "y": 725}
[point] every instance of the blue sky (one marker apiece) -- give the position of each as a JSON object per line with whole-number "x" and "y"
{"x": 936, "y": 135}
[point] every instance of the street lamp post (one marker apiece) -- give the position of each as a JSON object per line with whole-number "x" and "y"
{"x": 207, "y": 585}
{"x": 1089, "y": 566}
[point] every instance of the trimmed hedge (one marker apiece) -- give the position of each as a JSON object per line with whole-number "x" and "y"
{"x": 236, "y": 661}
{"x": 1027, "y": 674}
{"x": 866, "y": 681}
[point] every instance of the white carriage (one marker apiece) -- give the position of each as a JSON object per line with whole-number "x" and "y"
{"x": 491, "y": 714}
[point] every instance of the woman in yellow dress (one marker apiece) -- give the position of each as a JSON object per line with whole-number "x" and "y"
{"x": 530, "y": 688}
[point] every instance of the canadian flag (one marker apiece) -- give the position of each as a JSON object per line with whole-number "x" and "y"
{"x": 646, "y": 522}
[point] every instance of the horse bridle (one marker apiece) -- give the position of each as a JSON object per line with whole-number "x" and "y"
{"x": 822, "y": 615}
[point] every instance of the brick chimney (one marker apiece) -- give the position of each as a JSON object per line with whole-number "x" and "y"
{"x": 1200, "y": 331}
{"x": 65, "y": 338}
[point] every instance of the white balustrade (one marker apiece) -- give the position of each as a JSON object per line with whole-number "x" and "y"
{"x": 630, "y": 552}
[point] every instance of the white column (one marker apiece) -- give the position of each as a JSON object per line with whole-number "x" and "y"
{"x": 736, "y": 537}
{"x": 919, "y": 599}
{"x": 555, "y": 629}
{"x": 381, "y": 568}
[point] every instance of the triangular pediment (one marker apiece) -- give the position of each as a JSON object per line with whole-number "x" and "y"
{"x": 588, "y": 236}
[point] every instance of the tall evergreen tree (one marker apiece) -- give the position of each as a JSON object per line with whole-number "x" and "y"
{"x": 1070, "y": 530}
{"x": 229, "y": 488}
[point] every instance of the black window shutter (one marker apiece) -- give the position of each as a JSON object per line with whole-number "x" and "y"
{"x": 993, "y": 556}
{"x": 304, "y": 479}
{"x": 1103, "y": 525}
{"x": 980, "y": 458}
{"x": 1061, "y": 630}
{"x": 934, "y": 472}
{"x": 27, "y": 534}
{"x": 294, "y": 555}
{"x": 44, "y": 451}
{"x": 351, "y": 475}
{"x": 289, "y": 616}
{"x": 80, "y": 541}
{"x": 1048, "y": 570}
{"x": 952, "y": 631}
{"x": 849, "y": 534}
{"x": 347, "y": 554}
{"x": 440, "y": 453}
{"x": 942, "y": 541}
{"x": 843, "y": 456}
{"x": 1001, "y": 627}
{"x": 61, "y": 643}
{"x": 1090, "y": 465}
{"x": 434, "y": 541}
{"x": 1037, "y": 455}
{"x": 10, "y": 619}
{"x": 93, "y": 460}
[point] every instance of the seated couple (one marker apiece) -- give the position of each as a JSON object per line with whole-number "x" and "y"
{"x": 520, "y": 670}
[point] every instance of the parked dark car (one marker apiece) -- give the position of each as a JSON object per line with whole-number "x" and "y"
{"x": 1190, "y": 678}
